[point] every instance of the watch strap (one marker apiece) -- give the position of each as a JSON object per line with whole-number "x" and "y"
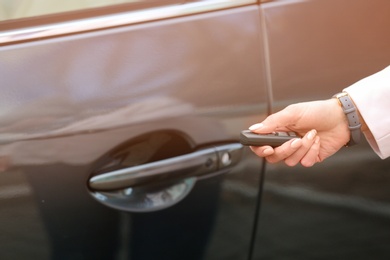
{"x": 351, "y": 113}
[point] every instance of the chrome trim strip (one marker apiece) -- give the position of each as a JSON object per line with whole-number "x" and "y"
{"x": 127, "y": 18}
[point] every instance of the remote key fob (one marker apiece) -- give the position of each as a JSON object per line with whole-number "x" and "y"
{"x": 274, "y": 139}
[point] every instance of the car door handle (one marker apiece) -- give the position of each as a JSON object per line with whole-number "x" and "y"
{"x": 198, "y": 163}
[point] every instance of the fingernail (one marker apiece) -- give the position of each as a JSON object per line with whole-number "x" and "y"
{"x": 317, "y": 140}
{"x": 256, "y": 126}
{"x": 311, "y": 134}
{"x": 268, "y": 151}
{"x": 296, "y": 143}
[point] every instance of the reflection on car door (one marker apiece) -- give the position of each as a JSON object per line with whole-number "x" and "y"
{"x": 338, "y": 209}
{"x": 77, "y": 106}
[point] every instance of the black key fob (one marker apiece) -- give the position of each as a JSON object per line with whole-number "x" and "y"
{"x": 274, "y": 139}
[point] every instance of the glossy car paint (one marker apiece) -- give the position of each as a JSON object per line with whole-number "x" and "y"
{"x": 340, "y": 208}
{"x": 156, "y": 90}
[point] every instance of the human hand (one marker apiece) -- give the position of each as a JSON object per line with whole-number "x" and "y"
{"x": 322, "y": 124}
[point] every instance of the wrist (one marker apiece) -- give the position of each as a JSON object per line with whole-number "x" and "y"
{"x": 338, "y": 114}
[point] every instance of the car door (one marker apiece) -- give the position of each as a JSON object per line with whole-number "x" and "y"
{"x": 119, "y": 128}
{"x": 338, "y": 209}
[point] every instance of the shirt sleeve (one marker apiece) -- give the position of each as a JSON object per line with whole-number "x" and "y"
{"x": 371, "y": 96}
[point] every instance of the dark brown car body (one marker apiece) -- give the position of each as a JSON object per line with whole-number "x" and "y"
{"x": 151, "y": 101}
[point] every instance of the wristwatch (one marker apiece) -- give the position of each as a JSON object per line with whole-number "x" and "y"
{"x": 351, "y": 113}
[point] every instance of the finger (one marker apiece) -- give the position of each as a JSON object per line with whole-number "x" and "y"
{"x": 312, "y": 156}
{"x": 285, "y": 150}
{"x": 278, "y": 121}
{"x": 262, "y": 151}
{"x": 307, "y": 142}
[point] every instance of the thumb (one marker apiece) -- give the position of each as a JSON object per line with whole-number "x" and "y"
{"x": 279, "y": 121}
